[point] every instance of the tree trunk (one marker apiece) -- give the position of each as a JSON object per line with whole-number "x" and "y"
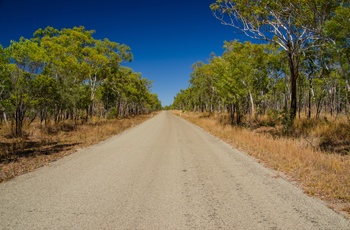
{"x": 310, "y": 96}
{"x": 293, "y": 103}
{"x": 19, "y": 116}
{"x": 300, "y": 101}
{"x": 294, "y": 75}
{"x": 238, "y": 116}
{"x": 252, "y": 106}
{"x": 232, "y": 114}
{"x": 5, "y": 119}
{"x": 319, "y": 107}
{"x": 347, "y": 101}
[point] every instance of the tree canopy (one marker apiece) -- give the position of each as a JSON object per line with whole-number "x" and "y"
{"x": 301, "y": 65}
{"x": 68, "y": 74}
{"x": 295, "y": 25}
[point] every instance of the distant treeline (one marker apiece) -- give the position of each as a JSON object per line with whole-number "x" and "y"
{"x": 67, "y": 74}
{"x": 303, "y": 67}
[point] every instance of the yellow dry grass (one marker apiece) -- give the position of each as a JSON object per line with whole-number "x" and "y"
{"x": 47, "y": 144}
{"x": 326, "y": 176}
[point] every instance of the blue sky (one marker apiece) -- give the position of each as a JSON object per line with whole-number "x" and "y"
{"x": 166, "y": 36}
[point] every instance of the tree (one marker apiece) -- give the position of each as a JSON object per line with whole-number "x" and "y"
{"x": 125, "y": 92}
{"x": 154, "y": 103}
{"x": 45, "y": 95}
{"x": 203, "y": 81}
{"x": 65, "y": 64}
{"x": 77, "y": 60}
{"x": 29, "y": 60}
{"x": 248, "y": 63}
{"x": 67, "y": 74}
{"x": 5, "y": 84}
{"x": 338, "y": 29}
{"x": 100, "y": 56}
{"x": 182, "y": 99}
{"x": 291, "y": 24}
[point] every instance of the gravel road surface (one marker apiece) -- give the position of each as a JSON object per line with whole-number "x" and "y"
{"x": 163, "y": 174}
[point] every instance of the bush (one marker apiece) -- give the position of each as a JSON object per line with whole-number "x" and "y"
{"x": 112, "y": 113}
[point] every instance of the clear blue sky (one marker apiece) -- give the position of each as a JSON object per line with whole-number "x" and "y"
{"x": 166, "y": 36}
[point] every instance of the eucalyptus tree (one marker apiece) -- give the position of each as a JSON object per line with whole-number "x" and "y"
{"x": 248, "y": 66}
{"x": 278, "y": 78}
{"x": 137, "y": 91}
{"x": 154, "y": 104}
{"x": 103, "y": 54}
{"x": 316, "y": 65}
{"x": 28, "y": 60}
{"x": 219, "y": 67}
{"x": 118, "y": 90}
{"x": 227, "y": 81}
{"x": 183, "y": 99}
{"x": 65, "y": 65}
{"x": 5, "y": 84}
{"x": 113, "y": 89}
{"x": 244, "y": 71}
{"x": 126, "y": 92}
{"x": 67, "y": 74}
{"x": 291, "y": 24}
{"x": 338, "y": 29}
{"x": 203, "y": 84}
{"x": 80, "y": 64}
{"x": 45, "y": 96}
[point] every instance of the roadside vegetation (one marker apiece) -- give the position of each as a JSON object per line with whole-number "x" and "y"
{"x": 286, "y": 99}
{"x": 45, "y": 144}
{"x": 64, "y": 88}
{"x": 299, "y": 68}
{"x": 66, "y": 74}
{"x": 322, "y": 174}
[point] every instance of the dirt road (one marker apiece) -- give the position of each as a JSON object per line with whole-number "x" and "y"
{"x": 163, "y": 174}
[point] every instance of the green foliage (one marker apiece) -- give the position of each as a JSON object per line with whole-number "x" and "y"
{"x": 338, "y": 28}
{"x": 227, "y": 82}
{"x": 112, "y": 113}
{"x": 295, "y": 25}
{"x": 5, "y": 79}
{"x": 45, "y": 95}
{"x": 128, "y": 92}
{"x": 304, "y": 65}
{"x": 27, "y": 55}
{"x": 62, "y": 74}
{"x": 252, "y": 80}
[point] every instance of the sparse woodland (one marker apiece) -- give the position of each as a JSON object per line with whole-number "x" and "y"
{"x": 295, "y": 77}
{"x": 282, "y": 97}
{"x": 61, "y": 75}
{"x": 62, "y": 89}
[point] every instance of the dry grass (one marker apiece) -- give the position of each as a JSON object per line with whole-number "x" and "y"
{"x": 320, "y": 174}
{"x": 43, "y": 145}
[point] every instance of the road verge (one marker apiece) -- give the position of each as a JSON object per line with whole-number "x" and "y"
{"x": 326, "y": 176}
{"x": 48, "y": 144}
